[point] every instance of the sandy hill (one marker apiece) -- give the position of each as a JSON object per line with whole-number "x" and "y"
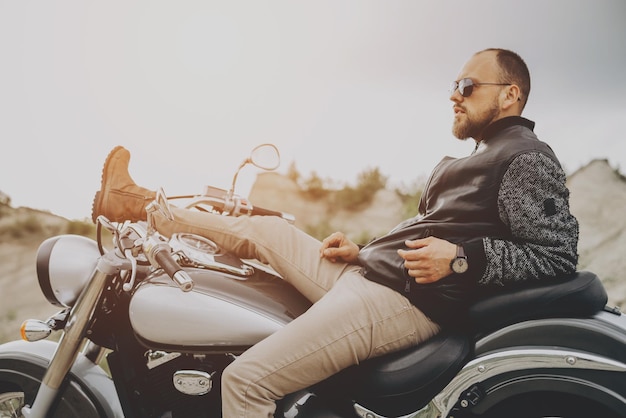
{"x": 598, "y": 198}
{"x": 21, "y": 232}
{"x": 276, "y": 191}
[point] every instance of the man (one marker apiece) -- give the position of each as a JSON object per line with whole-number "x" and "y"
{"x": 496, "y": 218}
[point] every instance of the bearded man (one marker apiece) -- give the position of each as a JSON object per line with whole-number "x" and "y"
{"x": 497, "y": 218}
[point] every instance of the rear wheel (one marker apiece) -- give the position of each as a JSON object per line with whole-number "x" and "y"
{"x": 549, "y": 405}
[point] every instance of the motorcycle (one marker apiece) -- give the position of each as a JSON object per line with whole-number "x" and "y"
{"x": 148, "y": 325}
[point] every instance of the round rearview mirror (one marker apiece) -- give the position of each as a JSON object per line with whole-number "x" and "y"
{"x": 265, "y": 156}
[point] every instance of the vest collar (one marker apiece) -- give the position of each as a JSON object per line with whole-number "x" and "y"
{"x": 501, "y": 124}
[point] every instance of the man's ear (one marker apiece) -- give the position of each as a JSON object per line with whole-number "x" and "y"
{"x": 511, "y": 96}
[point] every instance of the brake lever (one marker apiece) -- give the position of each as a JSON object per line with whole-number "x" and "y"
{"x": 128, "y": 286}
{"x": 159, "y": 253}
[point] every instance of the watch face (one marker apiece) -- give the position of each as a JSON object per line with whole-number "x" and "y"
{"x": 460, "y": 265}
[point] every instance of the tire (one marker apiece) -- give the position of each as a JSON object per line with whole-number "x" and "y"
{"x": 549, "y": 405}
{"x": 23, "y": 377}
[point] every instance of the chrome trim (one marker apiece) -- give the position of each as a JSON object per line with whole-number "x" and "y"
{"x": 74, "y": 332}
{"x": 366, "y": 413}
{"x": 501, "y": 362}
{"x": 35, "y": 330}
{"x": 11, "y": 403}
{"x": 73, "y": 336}
{"x": 156, "y": 358}
{"x": 193, "y": 382}
{"x": 208, "y": 255}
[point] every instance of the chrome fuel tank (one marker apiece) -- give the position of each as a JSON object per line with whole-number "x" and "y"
{"x": 221, "y": 311}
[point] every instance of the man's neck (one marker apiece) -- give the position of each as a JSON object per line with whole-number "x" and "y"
{"x": 502, "y": 123}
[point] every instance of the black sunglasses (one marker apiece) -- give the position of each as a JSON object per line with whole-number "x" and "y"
{"x": 466, "y": 86}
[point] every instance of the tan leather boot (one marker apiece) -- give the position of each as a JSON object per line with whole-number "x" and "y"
{"x": 119, "y": 198}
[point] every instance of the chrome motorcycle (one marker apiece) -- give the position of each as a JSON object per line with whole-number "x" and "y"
{"x": 148, "y": 325}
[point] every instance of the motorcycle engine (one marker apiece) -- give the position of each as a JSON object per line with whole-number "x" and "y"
{"x": 162, "y": 388}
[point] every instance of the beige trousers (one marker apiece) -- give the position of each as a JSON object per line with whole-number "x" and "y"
{"x": 352, "y": 319}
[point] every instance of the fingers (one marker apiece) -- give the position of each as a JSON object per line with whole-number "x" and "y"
{"x": 428, "y": 260}
{"x": 418, "y": 243}
{"x": 331, "y": 246}
{"x": 332, "y": 241}
{"x": 424, "y": 272}
{"x": 336, "y": 246}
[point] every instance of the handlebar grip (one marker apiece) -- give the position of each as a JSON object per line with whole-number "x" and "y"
{"x": 182, "y": 279}
{"x": 171, "y": 267}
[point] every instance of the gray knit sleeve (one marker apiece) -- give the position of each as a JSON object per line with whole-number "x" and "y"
{"x": 534, "y": 202}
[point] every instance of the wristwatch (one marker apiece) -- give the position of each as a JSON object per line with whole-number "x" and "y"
{"x": 459, "y": 263}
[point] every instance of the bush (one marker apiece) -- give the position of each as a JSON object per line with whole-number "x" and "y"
{"x": 85, "y": 229}
{"x": 4, "y": 211}
{"x": 23, "y": 227}
{"x": 313, "y": 187}
{"x": 410, "y": 196}
{"x": 368, "y": 183}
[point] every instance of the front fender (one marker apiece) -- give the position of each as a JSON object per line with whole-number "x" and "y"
{"x": 92, "y": 386}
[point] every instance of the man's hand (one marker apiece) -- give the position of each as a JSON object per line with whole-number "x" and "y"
{"x": 428, "y": 259}
{"x": 338, "y": 246}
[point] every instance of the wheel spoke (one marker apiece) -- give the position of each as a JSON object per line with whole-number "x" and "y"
{"x": 11, "y": 404}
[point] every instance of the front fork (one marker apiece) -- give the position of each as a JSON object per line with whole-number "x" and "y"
{"x": 69, "y": 345}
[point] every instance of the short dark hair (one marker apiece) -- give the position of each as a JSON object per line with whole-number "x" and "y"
{"x": 513, "y": 70}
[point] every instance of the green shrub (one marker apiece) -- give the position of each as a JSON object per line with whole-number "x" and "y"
{"x": 23, "y": 227}
{"x": 313, "y": 187}
{"x": 369, "y": 182}
{"x": 85, "y": 229}
{"x": 410, "y": 196}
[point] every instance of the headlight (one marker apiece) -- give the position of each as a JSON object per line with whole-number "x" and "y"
{"x": 64, "y": 266}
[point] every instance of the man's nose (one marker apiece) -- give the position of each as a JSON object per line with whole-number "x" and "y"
{"x": 455, "y": 96}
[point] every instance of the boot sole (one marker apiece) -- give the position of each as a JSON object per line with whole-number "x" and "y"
{"x": 97, "y": 203}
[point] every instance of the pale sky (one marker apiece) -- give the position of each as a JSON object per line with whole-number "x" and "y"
{"x": 189, "y": 87}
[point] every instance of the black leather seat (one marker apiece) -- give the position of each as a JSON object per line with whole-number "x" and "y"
{"x": 578, "y": 295}
{"x": 402, "y": 382}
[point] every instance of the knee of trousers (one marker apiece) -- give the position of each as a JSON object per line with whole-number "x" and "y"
{"x": 235, "y": 376}
{"x": 239, "y": 384}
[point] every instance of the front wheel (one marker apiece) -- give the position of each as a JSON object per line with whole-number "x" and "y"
{"x": 549, "y": 405}
{"x": 20, "y": 381}
{"x": 11, "y": 404}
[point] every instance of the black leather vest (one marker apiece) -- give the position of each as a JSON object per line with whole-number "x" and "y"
{"x": 459, "y": 204}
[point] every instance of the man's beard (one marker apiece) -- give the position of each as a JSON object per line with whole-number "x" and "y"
{"x": 473, "y": 126}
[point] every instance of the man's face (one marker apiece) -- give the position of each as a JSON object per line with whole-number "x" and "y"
{"x": 474, "y": 113}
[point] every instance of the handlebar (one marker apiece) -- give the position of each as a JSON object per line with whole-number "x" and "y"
{"x": 170, "y": 266}
{"x": 160, "y": 254}
{"x": 135, "y": 237}
{"x": 234, "y": 205}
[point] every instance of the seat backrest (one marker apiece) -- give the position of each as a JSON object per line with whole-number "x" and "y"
{"x": 577, "y": 295}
